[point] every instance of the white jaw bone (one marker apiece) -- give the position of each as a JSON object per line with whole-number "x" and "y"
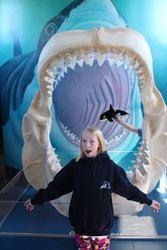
{"x": 64, "y": 50}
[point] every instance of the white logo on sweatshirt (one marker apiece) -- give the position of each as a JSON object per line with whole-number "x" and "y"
{"x": 105, "y": 185}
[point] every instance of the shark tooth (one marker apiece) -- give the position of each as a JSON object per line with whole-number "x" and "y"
{"x": 110, "y": 61}
{"x": 144, "y": 169}
{"x": 100, "y": 58}
{"x": 138, "y": 175}
{"x": 67, "y": 58}
{"x": 127, "y": 58}
{"x": 50, "y": 72}
{"x": 132, "y": 169}
{"x": 65, "y": 69}
{"x": 116, "y": 56}
{"x": 87, "y": 58}
{"x": 49, "y": 80}
{"x": 80, "y": 62}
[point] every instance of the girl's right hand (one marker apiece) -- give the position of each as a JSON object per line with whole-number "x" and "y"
{"x": 116, "y": 118}
{"x": 29, "y": 205}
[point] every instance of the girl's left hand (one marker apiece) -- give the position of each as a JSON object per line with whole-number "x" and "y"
{"x": 155, "y": 206}
{"x": 29, "y": 205}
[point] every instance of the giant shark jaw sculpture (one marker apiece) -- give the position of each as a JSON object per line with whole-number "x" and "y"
{"x": 67, "y": 49}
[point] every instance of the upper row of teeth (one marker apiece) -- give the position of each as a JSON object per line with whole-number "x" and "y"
{"x": 59, "y": 66}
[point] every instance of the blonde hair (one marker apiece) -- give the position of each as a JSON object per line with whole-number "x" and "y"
{"x": 99, "y": 135}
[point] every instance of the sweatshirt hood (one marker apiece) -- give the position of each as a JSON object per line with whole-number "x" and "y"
{"x": 93, "y": 160}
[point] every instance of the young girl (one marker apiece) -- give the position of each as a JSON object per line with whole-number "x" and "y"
{"x": 92, "y": 178}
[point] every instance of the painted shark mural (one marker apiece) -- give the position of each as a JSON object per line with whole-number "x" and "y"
{"x": 87, "y": 58}
{"x": 18, "y": 85}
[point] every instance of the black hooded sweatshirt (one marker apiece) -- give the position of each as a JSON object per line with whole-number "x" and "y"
{"x": 92, "y": 181}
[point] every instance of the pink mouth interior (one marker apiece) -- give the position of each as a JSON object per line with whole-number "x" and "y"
{"x": 88, "y": 151}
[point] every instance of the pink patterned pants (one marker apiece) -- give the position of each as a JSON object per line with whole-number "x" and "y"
{"x": 92, "y": 242}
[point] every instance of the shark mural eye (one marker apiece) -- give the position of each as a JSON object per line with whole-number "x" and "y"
{"x": 50, "y": 29}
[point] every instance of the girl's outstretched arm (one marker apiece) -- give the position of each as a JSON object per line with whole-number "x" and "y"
{"x": 126, "y": 125}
